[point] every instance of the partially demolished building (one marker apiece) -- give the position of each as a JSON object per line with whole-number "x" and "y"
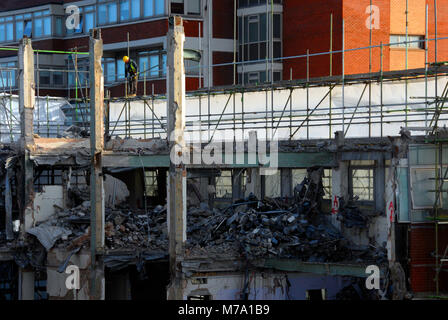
{"x": 357, "y": 179}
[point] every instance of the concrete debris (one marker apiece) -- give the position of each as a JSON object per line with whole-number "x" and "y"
{"x": 48, "y": 234}
{"x": 351, "y": 216}
{"x": 249, "y": 227}
{"x": 73, "y": 132}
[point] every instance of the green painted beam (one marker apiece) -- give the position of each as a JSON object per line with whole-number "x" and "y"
{"x": 333, "y": 269}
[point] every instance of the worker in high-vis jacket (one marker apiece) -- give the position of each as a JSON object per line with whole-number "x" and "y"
{"x": 131, "y": 73}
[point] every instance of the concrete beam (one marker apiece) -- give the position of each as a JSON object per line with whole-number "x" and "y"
{"x": 339, "y": 189}
{"x": 177, "y": 182}
{"x": 96, "y": 175}
{"x": 26, "y": 108}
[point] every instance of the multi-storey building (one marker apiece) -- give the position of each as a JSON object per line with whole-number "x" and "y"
{"x": 135, "y": 26}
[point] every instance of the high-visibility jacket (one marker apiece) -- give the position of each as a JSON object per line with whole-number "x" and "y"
{"x": 131, "y": 68}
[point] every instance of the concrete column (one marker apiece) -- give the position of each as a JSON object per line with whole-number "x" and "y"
{"x": 286, "y": 182}
{"x": 26, "y": 284}
{"x": 339, "y": 189}
{"x": 96, "y": 175}
{"x": 26, "y": 107}
{"x": 177, "y": 182}
{"x": 389, "y": 195}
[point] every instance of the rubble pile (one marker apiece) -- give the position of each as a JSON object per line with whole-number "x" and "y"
{"x": 259, "y": 230}
{"x": 250, "y": 228}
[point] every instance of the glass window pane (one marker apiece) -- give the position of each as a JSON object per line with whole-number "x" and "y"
{"x": 253, "y": 51}
{"x": 110, "y": 71}
{"x": 263, "y": 53}
{"x": 263, "y": 27}
{"x": 277, "y": 26}
{"x": 19, "y": 30}
{"x": 422, "y": 182}
{"x": 47, "y": 26}
{"x": 9, "y": 31}
{"x": 148, "y": 8}
{"x": 120, "y": 66}
{"x": 160, "y": 7}
{"x": 38, "y": 27}
{"x": 164, "y": 64}
{"x": 135, "y": 9}
{"x": 28, "y": 29}
{"x": 58, "y": 78}
{"x": 89, "y": 21}
{"x": 245, "y": 30}
{"x": 253, "y": 31}
{"x": 79, "y": 29}
{"x": 58, "y": 26}
{"x": 2, "y": 32}
{"x": 143, "y": 66}
{"x": 194, "y": 6}
{"x": 240, "y": 30}
{"x": 277, "y": 49}
{"x": 124, "y": 10}
{"x": 44, "y": 77}
{"x": 154, "y": 65}
{"x": 112, "y": 11}
{"x": 102, "y": 14}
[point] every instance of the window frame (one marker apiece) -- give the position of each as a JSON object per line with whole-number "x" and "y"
{"x": 372, "y": 167}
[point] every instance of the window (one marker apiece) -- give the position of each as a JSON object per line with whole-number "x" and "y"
{"x": 59, "y": 26}
{"x": 254, "y": 35}
{"x": 362, "y": 180}
{"x": 135, "y": 9}
{"x": 109, "y": 69}
{"x": 107, "y": 13}
{"x": 224, "y": 185}
{"x": 7, "y": 75}
{"x": 177, "y": 6}
{"x": 423, "y": 184}
{"x": 58, "y": 78}
{"x": 24, "y": 25}
{"x": 194, "y": 7}
{"x": 89, "y": 18}
{"x": 191, "y": 7}
{"x": 42, "y": 24}
{"x": 151, "y": 186}
{"x": 44, "y": 78}
{"x": 83, "y": 68}
{"x": 6, "y": 29}
{"x": 153, "y": 7}
{"x": 326, "y": 183}
{"x": 152, "y": 64}
{"x": 124, "y": 10}
{"x": 400, "y": 39}
{"x": 28, "y": 28}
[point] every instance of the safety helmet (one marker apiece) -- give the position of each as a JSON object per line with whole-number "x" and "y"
{"x": 125, "y": 59}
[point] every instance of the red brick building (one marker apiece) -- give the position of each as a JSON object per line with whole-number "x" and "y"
{"x": 307, "y": 26}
